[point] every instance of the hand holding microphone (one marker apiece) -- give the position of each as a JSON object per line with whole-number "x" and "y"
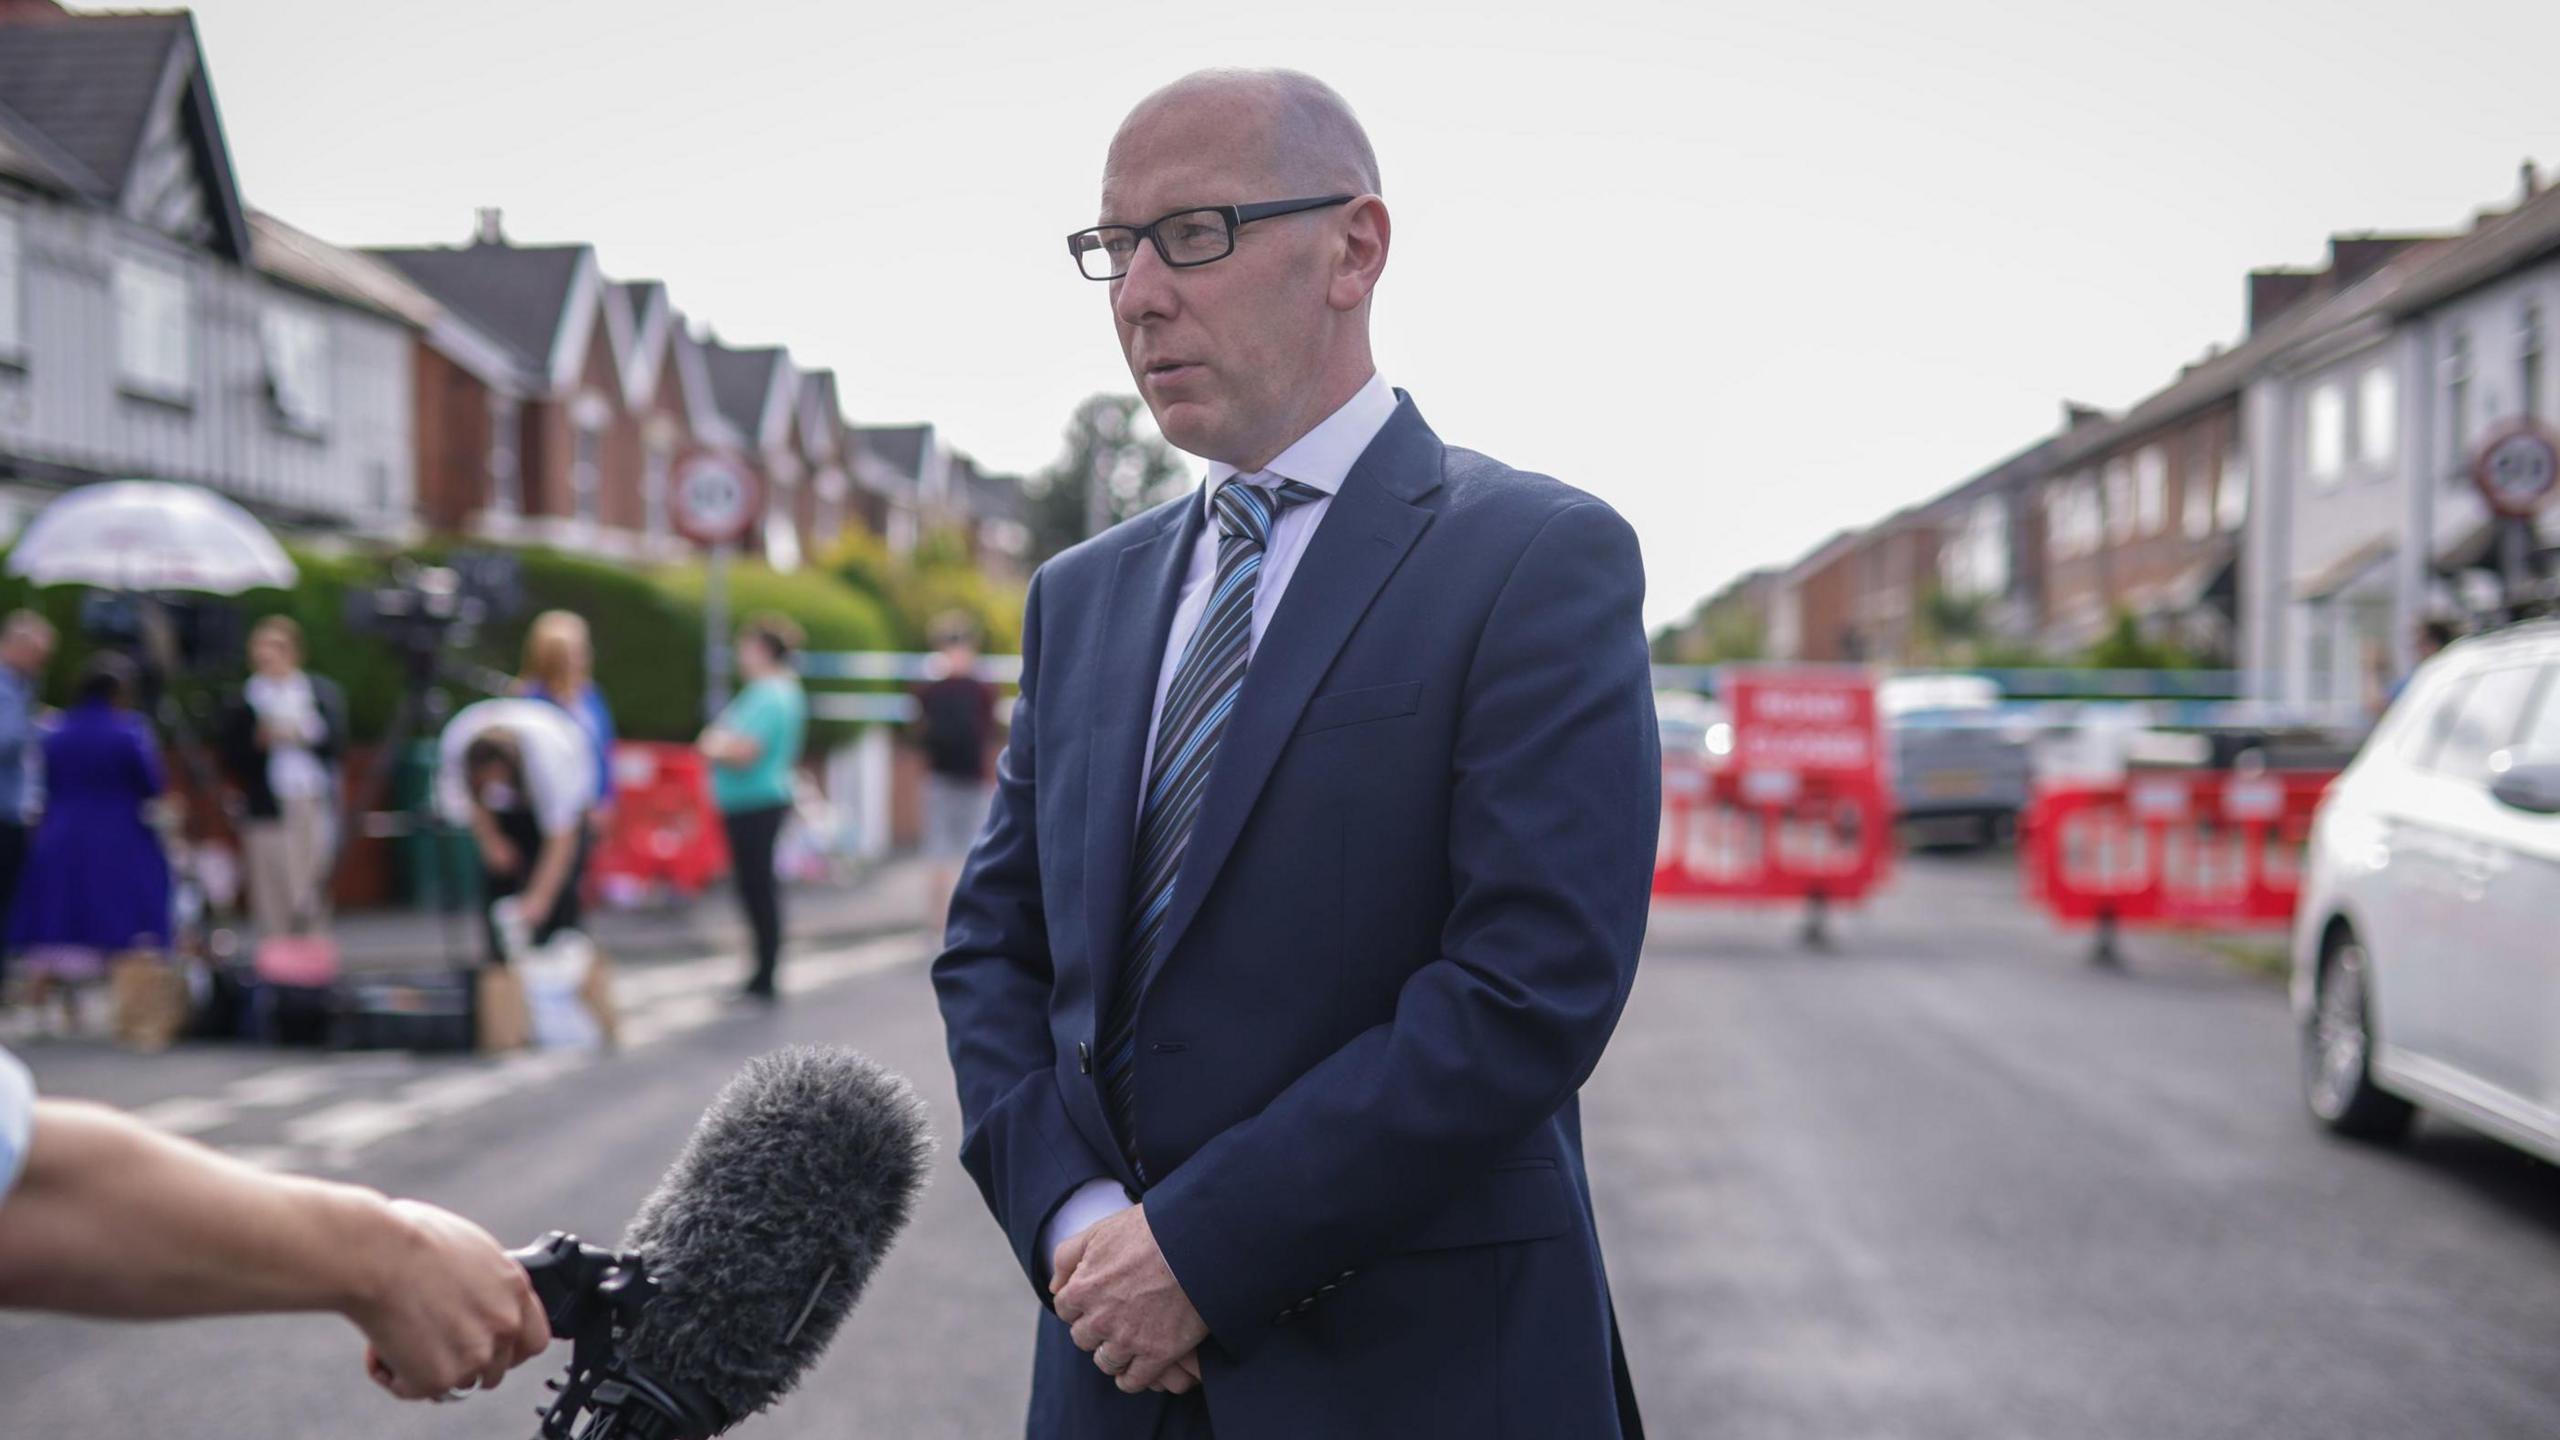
{"x": 446, "y": 1308}
{"x": 740, "y": 1266}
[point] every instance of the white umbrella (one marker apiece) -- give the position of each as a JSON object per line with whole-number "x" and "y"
{"x": 150, "y": 535}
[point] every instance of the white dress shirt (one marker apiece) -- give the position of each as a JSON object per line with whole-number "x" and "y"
{"x": 1322, "y": 458}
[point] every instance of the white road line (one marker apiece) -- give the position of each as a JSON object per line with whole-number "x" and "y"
{"x": 660, "y": 1002}
{"x": 187, "y": 1115}
{"x": 351, "y": 1125}
{"x": 286, "y": 1085}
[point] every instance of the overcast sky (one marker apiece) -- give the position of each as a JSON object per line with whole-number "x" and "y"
{"x": 1752, "y": 273}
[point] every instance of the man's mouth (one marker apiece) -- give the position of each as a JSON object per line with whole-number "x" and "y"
{"x": 1165, "y": 369}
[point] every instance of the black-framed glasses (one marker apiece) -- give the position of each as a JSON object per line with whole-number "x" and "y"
{"x": 1184, "y": 238}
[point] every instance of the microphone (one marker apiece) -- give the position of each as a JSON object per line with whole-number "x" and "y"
{"x": 740, "y": 1266}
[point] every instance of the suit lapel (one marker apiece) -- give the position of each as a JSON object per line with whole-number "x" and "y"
{"x": 1146, "y": 588}
{"x": 1363, "y": 536}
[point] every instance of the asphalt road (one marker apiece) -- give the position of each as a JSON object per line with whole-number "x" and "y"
{"x": 1946, "y": 1181}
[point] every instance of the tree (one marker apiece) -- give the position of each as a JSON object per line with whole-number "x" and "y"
{"x": 2126, "y": 647}
{"x": 1115, "y": 465}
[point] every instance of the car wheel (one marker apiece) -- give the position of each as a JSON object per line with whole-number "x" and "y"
{"x": 2337, "y": 1051}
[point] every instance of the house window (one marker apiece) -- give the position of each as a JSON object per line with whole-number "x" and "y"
{"x": 13, "y": 335}
{"x": 2196, "y": 507}
{"x": 2377, "y": 417}
{"x": 2529, "y": 359}
{"x": 586, "y": 478}
{"x": 155, "y": 327}
{"x": 2324, "y": 445}
{"x": 2151, "y": 488}
{"x": 2231, "y": 503}
{"x": 506, "y": 478}
{"x": 1987, "y": 539}
{"x": 653, "y": 494}
{"x": 2119, "y": 502}
{"x": 2457, "y": 403}
{"x": 297, "y": 346}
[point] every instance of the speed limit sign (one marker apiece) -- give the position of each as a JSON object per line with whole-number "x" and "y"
{"x": 712, "y": 499}
{"x": 2516, "y": 467}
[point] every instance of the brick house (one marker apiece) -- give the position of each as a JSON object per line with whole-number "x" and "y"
{"x": 1813, "y": 604}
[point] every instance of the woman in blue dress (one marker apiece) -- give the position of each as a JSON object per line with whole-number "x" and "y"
{"x": 97, "y": 878}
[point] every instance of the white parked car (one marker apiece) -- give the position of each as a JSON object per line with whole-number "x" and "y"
{"x": 2426, "y": 953}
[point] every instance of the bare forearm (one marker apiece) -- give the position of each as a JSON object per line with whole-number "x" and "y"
{"x": 113, "y": 1218}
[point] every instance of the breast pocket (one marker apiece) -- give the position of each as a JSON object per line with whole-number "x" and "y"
{"x": 1358, "y": 707}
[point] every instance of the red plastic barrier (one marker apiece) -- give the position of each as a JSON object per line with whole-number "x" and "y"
{"x": 2169, "y": 848}
{"x": 1770, "y": 835}
{"x": 665, "y": 835}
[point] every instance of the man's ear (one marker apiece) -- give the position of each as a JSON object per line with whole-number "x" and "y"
{"x": 1362, "y": 257}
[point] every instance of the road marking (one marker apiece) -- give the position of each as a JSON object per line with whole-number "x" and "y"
{"x": 187, "y": 1115}
{"x": 659, "y": 1003}
{"x": 289, "y": 1085}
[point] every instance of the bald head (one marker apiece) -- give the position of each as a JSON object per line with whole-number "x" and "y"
{"x": 1294, "y": 128}
{"x": 1240, "y": 353}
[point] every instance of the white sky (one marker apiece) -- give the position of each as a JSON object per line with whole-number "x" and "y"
{"x": 1750, "y": 272}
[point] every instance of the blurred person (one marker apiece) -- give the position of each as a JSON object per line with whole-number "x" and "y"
{"x": 2425, "y": 643}
{"x": 560, "y": 666}
{"x": 103, "y": 1216}
{"x": 26, "y": 648}
{"x": 97, "y": 882}
{"x": 753, "y": 748}
{"x": 520, "y": 775}
{"x": 281, "y": 737}
{"x": 956, "y": 725}
{"x": 1297, "y": 924}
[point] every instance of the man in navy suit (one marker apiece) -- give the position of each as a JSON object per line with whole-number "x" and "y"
{"x": 1319, "y": 858}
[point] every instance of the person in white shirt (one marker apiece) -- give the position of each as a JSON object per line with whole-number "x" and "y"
{"x": 280, "y": 743}
{"x": 521, "y": 775}
{"x": 103, "y": 1216}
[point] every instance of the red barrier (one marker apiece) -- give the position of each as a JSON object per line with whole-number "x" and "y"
{"x": 665, "y": 835}
{"x": 1770, "y": 836}
{"x": 1801, "y": 813}
{"x": 2171, "y": 848}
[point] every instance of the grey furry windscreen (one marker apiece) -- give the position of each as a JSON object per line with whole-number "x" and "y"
{"x": 773, "y": 1217}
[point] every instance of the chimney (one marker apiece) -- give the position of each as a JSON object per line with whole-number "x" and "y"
{"x": 2273, "y": 292}
{"x": 488, "y": 230}
{"x": 2529, "y": 178}
{"x": 2353, "y": 257}
{"x": 2075, "y": 415}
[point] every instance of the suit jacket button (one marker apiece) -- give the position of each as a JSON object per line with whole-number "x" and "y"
{"x": 1084, "y": 1058}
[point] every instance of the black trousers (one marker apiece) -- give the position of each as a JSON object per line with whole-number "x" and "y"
{"x": 13, "y": 861}
{"x": 567, "y": 913}
{"x": 751, "y": 837}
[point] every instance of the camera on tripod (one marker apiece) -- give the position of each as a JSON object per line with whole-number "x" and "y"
{"x": 428, "y": 611}
{"x": 167, "y": 636}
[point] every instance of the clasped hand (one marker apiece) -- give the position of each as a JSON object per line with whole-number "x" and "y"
{"x": 1125, "y": 1308}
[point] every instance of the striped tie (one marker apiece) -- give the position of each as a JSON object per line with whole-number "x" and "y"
{"x": 1195, "y": 715}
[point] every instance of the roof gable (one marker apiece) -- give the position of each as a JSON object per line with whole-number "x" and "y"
{"x": 520, "y": 295}
{"x": 126, "y": 105}
{"x": 752, "y": 389}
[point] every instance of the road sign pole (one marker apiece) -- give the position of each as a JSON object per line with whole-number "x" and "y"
{"x": 715, "y": 633}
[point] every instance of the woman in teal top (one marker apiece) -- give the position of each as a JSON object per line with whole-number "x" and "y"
{"x": 752, "y": 748}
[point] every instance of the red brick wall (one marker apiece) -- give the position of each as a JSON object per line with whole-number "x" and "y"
{"x": 453, "y": 441}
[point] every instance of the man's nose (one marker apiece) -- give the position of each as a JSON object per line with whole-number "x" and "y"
{"x": 1146, "y": 293}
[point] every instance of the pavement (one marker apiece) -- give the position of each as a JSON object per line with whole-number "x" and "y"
{"x": 1945, "y": 1180}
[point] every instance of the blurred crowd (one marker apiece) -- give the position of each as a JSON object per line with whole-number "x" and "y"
{"x": 102, "y": 886}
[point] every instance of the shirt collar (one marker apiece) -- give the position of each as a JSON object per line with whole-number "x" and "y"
{"x": 1323, "y": 457}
